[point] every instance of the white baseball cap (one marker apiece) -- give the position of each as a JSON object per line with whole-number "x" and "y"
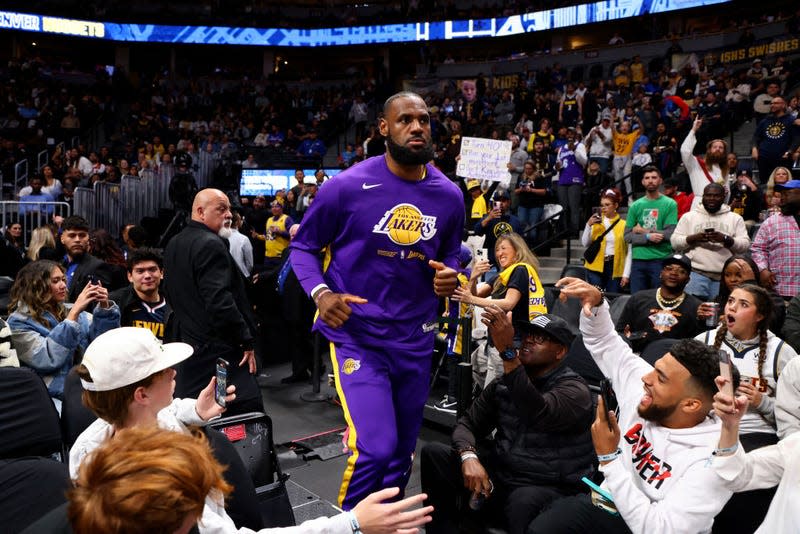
{"x": 124, "y": 356}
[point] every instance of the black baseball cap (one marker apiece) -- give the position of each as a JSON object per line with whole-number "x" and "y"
{"x": 549, "y": 324}
{"x": 678, "y": 259}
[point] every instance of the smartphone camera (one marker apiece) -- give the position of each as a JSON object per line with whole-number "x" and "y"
{"x": 609, "y": 398}
{"x": 222, "y": 382}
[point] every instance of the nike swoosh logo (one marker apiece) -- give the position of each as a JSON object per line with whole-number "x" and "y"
{"x": 364, "y": 186}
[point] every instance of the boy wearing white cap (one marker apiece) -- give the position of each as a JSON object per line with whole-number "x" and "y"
{"x": 129, "y": 381}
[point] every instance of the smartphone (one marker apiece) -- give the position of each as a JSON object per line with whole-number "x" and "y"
{"x": 726, "y": 372}
{"x": 596, "y": 211}
{"x": 480, "y": 254}
{"x": 222, "y": 382}
{"x": 92, "y": 279}
{"x": 603, "y": 493}
{"x": 609, "y": 399}
{"x": 497, "y": 205}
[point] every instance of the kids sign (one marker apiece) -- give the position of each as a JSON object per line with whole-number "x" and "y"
{"x": 484, "y": 159}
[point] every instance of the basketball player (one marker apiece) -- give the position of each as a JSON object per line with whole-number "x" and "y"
{"x": 391, "y": 229}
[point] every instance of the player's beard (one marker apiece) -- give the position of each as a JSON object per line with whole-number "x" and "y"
{"x": 406, "y": 156}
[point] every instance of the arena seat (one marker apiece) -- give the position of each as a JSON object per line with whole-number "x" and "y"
{"x": 29, "y": 420}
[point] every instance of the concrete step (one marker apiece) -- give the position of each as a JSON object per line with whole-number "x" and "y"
{"x": 576, "y": 251}
{"x": 549, "y": 275}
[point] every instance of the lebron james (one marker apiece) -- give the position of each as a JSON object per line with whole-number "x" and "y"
{"x": 390, "y": 230}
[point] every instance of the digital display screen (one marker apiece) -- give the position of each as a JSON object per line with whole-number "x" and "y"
{"x": 267, "y": 181}
{"x": 547, "y": 19}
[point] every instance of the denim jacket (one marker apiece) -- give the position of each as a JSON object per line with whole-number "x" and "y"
{"x": 50, "y": 351}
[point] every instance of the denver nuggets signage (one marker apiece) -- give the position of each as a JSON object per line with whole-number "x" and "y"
{"x": 406, "y": 225}
{"x": 760, "y": 50}
{"x": 548, "y": 19}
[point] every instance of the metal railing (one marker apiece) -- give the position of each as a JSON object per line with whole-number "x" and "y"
{"x": 564, "y": 230}
{"x": 20, "y": 174}
{"x": 111, "y": 205}
{"x": 31, "y": 215}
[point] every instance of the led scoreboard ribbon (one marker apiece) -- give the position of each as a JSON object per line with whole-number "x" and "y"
{"x": 548, "y": 19}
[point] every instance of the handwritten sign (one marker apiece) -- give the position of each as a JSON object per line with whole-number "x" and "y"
{"x": 484, "y": 159}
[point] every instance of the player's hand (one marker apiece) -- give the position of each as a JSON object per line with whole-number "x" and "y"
{"x": 589, "y": 295}
{"x": 334, "y": 308}
{"x": 605, "y": 430}
{"x": 445, "y": 280}
{"x": 249, "y": 357}
{"x": 378, "y": 517}
{"x": 476, "y": 479}
{"x": 206, "y": 406}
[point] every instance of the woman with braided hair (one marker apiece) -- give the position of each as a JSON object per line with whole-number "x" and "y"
{"x": 759, "y": 355}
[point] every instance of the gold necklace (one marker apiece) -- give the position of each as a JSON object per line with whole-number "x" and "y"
{"x": 667, "y": 304}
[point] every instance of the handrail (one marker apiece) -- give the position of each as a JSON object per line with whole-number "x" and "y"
{"x": 561, "y": 233}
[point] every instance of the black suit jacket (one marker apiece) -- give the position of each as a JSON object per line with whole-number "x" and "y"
{"x": 206, "y": 290}
{"x": 89, "y": 266}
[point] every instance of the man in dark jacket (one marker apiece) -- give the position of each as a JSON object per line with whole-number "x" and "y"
{"x": 541, "y": 412}
{"x": 210, "y": 307}
{"x": 141, "y": 304}
{"x": 81, "y": 267}
{"x": 497, "y": 222}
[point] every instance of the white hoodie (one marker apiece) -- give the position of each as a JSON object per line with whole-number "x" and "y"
{"x": 710, "y": 257}
{"x": 663, "y": 481}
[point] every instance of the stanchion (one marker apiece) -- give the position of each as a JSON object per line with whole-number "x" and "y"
{"x": 315, "y": 395}
{"x": 464, "y": 387}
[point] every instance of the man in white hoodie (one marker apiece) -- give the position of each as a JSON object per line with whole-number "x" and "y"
{"x": 658, "y": 473}
{"x": 709, "y": 234}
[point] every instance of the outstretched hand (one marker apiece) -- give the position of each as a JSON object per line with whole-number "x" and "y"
{"x": 376, "y": 517}
{"x": 729, "y": 409}
{"x": 588, "y": 294}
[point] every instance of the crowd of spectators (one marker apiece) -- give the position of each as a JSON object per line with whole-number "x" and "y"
{"x": 575, "y": 143}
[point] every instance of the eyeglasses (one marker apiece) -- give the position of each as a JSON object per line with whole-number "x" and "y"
{"x": 538, "y": 339}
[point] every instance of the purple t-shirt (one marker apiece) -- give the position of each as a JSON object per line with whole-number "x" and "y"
{"x": 380, "y": 232}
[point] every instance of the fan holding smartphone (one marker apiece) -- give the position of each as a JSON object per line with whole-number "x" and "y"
{"x": 654, "y": 449}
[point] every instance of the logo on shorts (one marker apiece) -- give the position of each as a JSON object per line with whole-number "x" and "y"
{"x": 350, "y": 366}
{"x": 405, "y": 225}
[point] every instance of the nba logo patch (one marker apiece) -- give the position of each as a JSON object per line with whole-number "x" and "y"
{"x": 350, "y": 366}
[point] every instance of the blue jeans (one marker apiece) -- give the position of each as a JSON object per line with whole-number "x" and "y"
{"x": 604, "y": 279}
{"x": 529, "y": 217}
{"x": 645, "y": 274}
{"x": 702, "y": 287}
